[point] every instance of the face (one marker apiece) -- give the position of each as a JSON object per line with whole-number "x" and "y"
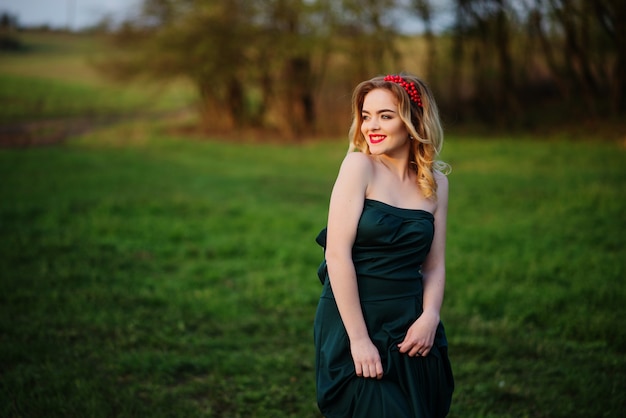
{"x": 382, "y": 127}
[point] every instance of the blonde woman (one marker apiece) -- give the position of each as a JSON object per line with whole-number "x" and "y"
{"x": 381, "y": 350}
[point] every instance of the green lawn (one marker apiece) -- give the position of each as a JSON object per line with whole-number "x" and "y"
{"x": 173, "y": 277}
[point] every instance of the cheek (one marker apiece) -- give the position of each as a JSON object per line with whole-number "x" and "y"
{"x": 402, "y": 131}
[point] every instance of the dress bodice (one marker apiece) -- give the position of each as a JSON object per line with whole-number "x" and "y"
{"x": 390, "y": 246}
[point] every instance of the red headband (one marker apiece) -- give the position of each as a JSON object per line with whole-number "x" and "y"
{"x": 410, "y": 88}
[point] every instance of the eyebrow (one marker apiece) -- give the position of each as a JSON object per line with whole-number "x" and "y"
{"x": 380, "y": 111}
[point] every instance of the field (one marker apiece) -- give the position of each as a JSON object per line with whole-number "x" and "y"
{"x": 147, "y": 274}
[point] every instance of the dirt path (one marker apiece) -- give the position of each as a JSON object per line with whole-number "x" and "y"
{"x": 49, "y": 131}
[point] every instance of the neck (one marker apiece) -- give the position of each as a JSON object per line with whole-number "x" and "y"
{"x": 398, "y": 164}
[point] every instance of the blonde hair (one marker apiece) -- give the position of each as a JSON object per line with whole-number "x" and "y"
{"x": 422, "y": 123}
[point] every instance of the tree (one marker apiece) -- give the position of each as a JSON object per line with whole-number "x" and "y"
{"x": 583, "y": 43}
{"x": 611, "y": 15}
{"x": 204, "y": 42}
{"x": 484, "y": 29}
{"x": 247, "y": 59}
{"x": 8, "y": 26}
{"x": 255, "y": 63}
{"x": 425, "y": 12}
{"x": 276, "y": 65}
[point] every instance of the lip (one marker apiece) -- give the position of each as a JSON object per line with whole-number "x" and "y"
{"x": 375, "y": 139}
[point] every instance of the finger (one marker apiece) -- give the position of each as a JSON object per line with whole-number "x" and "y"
{"x": 379, "y": 370}
{"x": 358, "y": 369}
{"x": 415, "y": 351}
{"x": 366, "y": 371}
{"x": 374, "y": 371}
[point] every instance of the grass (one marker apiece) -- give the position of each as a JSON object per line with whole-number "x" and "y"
{"x": 54, "y": 77}
{"x": 170, "y": 277}
{"x": 174, "y": 282}
{"x": 536, "y": 257}
{"x": 145, "y": 274}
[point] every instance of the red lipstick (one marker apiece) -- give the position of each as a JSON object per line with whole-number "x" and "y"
{"x": 375, "y": 139}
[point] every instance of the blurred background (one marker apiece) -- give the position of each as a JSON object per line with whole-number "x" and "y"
{"x": 286, "y": 67}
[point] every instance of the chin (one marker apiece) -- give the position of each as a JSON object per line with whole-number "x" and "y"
{"x": 376, "y": 150}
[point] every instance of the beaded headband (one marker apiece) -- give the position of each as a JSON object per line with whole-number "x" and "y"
{"x": 410, "y": 88}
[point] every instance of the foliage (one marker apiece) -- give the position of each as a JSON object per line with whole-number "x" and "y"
{"x": 8, "y": 40}
{"x": 541, "y": 52}
{"x": 275, "y": 65}
{"x": 254, "y": 63}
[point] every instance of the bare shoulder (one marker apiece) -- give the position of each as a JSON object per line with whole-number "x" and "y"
{"x": 358, "y": 160}
{"x": 354, "y": 176}
{"x": 357, "y": 163}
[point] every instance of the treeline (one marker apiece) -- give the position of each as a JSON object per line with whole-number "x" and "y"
{"x": 288, "y": 66}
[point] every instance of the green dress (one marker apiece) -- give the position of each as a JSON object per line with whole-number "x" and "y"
{"x": 390, "y": 245}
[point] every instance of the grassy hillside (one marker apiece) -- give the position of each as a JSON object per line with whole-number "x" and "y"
{"x": 54, "y": 76}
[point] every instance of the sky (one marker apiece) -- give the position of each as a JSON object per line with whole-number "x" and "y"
{"x": 75, "y": 14}
{"x": 81, "y": 14}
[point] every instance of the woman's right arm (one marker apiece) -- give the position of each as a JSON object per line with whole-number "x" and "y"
{"x": 346, "y": 206}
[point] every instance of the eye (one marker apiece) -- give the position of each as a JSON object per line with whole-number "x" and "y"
{"x": 386, "y": 117}
{"x": 365, "y": 117}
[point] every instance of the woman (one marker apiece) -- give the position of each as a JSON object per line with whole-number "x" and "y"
{"x": 381, "y": 350}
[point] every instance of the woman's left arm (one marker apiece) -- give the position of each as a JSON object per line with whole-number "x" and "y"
{"x": 420, "y": 336}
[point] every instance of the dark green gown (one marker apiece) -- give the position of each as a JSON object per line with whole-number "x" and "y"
{"x": 390, "y": 245}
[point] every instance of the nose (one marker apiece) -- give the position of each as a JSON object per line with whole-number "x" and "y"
{"x": 372, "y": 123}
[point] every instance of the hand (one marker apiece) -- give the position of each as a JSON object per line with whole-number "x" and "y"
{"x": 366, "y": 359}
{"x": 420, "y": 337}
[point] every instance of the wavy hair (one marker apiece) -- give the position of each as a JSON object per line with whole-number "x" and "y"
{"x": 422, "y": 123}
